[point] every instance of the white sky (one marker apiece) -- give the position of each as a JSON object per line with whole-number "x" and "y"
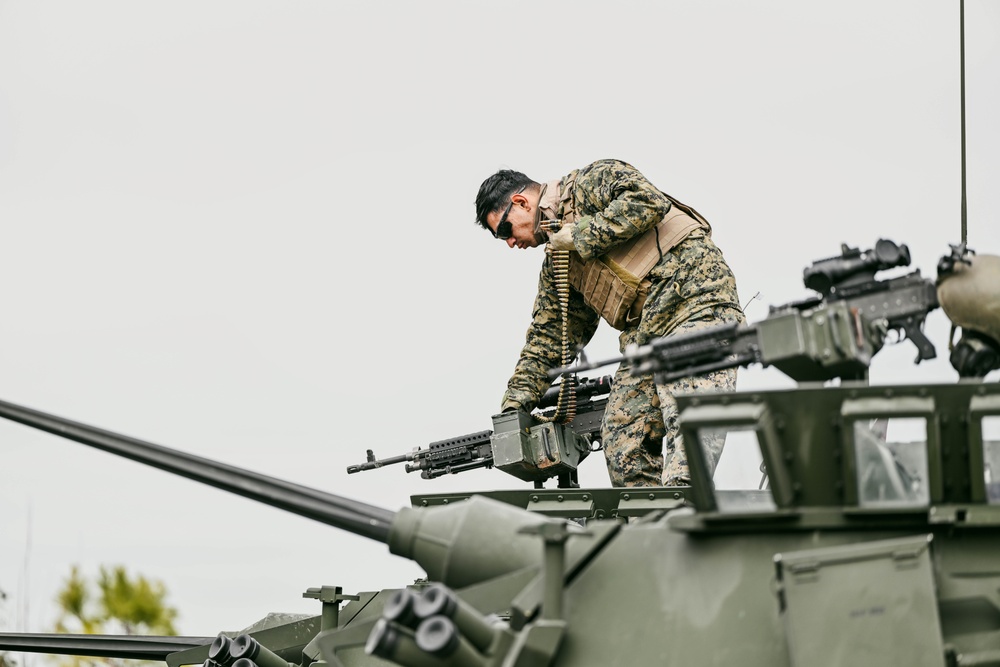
{"x": 244, "y": 230}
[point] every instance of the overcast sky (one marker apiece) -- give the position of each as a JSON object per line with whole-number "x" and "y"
{"x": 245, "y": 230}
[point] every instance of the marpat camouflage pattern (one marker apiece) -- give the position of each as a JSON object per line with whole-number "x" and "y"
{"x": 691, "y": 287}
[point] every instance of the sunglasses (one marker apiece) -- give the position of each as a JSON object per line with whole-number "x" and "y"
{"x": 504, "y": 227}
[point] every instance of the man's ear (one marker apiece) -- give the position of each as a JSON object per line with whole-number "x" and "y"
{"x": 520, "y": 200}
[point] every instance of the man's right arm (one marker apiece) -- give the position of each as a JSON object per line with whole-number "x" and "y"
{"x": 543, "y": 342}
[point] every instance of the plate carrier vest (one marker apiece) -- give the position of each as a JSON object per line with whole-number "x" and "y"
{"x": 615, "y": 284}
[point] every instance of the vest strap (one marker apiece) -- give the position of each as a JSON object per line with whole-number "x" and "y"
{"x": 615, "y": 283}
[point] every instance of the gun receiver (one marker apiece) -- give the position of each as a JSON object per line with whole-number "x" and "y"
{"x": 834, "y": 334}
{"x": 898, "y": 304}
{"x": 519, "y": 444}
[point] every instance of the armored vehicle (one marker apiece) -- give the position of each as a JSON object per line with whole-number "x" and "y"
{"x": 871, "y": 537}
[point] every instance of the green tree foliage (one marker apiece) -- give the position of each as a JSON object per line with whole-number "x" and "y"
{"x": 115, "y": 603}
{"x": 121, "y": 604}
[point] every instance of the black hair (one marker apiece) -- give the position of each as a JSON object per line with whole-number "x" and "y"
{"x": 496, "y": 191}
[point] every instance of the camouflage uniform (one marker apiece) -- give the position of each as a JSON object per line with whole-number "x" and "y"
{"x": 692, "y": 287}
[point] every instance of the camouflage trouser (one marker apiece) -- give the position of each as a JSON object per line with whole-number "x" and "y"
{"x": 640, "y": 426}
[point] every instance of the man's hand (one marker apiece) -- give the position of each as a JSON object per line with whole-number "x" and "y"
{"x": 563, "y": 239}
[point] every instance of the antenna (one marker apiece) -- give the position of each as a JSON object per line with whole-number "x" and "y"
{"x": 961, "y": 47}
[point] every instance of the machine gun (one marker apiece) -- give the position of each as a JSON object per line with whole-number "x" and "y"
{"x": 851, "y": 277}
{"x": 520, "y": 443}
{"x": 833, "y": 334}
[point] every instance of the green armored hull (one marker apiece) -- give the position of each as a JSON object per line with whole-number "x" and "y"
{"x": 858, "y": 549}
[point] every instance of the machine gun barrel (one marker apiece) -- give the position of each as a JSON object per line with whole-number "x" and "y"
{"x": 683, "y": 355}
{"x": 350, "y": 515}
{"x": 123, "y": 647}
{"x": 698, "y": 352}
{"x": 372, "y": 463}
{"x": 453, "y": 453}
{"x": 466, "y": 452}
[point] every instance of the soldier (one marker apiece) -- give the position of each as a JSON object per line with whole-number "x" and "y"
{"x": 618, "y": 249}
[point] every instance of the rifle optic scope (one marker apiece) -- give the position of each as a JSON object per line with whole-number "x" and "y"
{"x": 854, "y": 266}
